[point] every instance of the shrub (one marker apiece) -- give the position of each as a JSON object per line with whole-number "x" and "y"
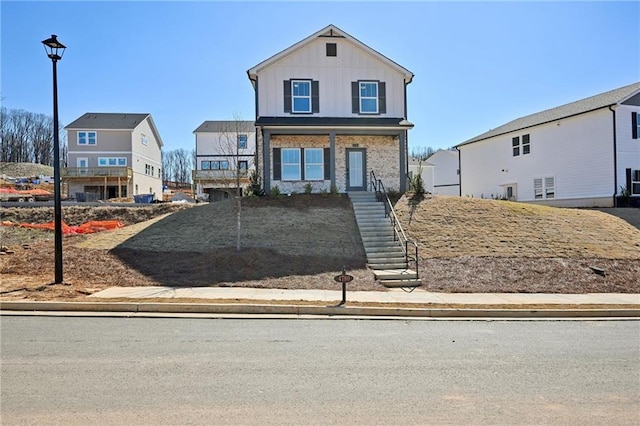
{"x": 308, "y": 188}
{"x": 334, "y": 190}
{"x": 275, "y": 192}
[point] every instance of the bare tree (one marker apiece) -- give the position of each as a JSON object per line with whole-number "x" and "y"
{"x": 422, "y": 152}
{"x": 233, "y": 146}
{"x": 27, "y": 137}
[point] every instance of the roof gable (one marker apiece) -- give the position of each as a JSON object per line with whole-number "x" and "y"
{"x": 603, "y": 100}
{"x": 329, "y": 31}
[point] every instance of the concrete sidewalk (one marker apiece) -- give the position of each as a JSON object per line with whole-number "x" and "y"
{"x": 391, "y": 297}
{"x": 232, "y": 302}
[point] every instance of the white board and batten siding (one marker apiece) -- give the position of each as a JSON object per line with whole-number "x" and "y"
{"x": 334, "y": 74}
{"x": 576, "y": 152}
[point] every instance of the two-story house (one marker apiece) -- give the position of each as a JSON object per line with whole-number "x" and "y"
{"x": 113, "y": 155}
{"x": 225, "y": 157}
{"x": 582, "y": 154}
{"x": 329, "y": 111}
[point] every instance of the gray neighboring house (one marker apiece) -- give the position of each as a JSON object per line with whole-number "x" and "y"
{"x": 225, "y": 157}
{"x": 113, "y": 155}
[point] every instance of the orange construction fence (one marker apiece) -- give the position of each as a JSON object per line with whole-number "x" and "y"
{"x": 86, "y": 228}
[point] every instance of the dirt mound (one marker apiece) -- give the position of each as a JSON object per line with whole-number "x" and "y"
{"x": 25, "y": 169}
{"x": 447, "y": 227}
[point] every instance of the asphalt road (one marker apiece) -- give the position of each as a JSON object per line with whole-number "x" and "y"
{"x": 204, "y": 371}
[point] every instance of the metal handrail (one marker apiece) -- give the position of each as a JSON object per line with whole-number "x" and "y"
{"x": 399, "y": 235}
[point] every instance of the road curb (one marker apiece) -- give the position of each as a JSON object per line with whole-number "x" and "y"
{"x": 6, "y": 307}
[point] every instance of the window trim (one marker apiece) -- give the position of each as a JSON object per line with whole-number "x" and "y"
{"x": 283, "y": 164}
{"x": 86, "y": 135}
{"x": 105, "y": 161}
{"x": 515, "y": 146}
{"x": 308, "y": 164}
{"x": 308, "y": 97}
{"x": 242, "y": 145}
{"x": 205, "y": 165}
{"x": 542, "y": 190}
{"x": 361, "y": 98}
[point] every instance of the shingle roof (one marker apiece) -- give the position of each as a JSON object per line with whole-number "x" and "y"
{"x": 108, "y": 121}
{"x": 225, "y": 126}
{"x": 334, "y": 122}
{"x": 592, "y": 103}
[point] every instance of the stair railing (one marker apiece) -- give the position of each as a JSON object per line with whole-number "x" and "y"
{"x": 408, "y": 246}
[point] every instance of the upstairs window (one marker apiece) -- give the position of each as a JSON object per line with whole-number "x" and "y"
{"x": 368, "y": 97}
{"x": 300, "y": 96}
{"x": 526, "y": 146}
{"x": 523, "y": 147}
{"x": 87, "y": 138}
{"x": 242, "y": 141}
{"x": 205, "y": 165}
{"x": 515, "y": 144}
{"x": 143, "y": 139}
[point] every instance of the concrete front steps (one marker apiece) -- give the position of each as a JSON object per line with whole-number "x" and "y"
{"x": 385, "y": 255}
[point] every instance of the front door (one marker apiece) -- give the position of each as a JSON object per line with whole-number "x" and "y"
{"x": 356, "y": 169}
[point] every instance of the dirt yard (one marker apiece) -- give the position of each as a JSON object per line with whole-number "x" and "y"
{"x": 303, "y": 241}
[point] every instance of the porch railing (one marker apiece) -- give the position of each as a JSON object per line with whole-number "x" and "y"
{"x": 90, "y": 172}
{"x": 409, "y": 247}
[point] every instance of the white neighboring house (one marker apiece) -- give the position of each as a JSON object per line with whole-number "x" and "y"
{"x": 112, "y": 155}
{"x": 440, "y": 172}
{"x": 582, "y": 154}
{"x": 425, "y": 169}
{"x": 225, "y": 156}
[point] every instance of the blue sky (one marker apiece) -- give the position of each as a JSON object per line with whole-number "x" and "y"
{"x": 477, "y": 65}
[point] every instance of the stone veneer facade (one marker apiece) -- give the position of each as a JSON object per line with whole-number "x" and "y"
{"x": 382, "y": 156}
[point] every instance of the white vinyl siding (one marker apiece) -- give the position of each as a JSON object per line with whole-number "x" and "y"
{"x": 577, "y": 151}
{"x": 334, "y": 74}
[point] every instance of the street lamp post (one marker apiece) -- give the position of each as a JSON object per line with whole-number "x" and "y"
{"x": 55, "y": 50}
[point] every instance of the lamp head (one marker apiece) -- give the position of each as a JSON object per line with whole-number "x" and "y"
{"x": 54, "y": 48}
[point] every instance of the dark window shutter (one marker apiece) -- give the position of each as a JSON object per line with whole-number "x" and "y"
{"x": 315, "y": 96}
{"x": 277, "y": 164}
{"x": 287, "y": 96}
{"x": 327, "y": 163}
{"x": 301, "y": 163}
{"x": 355, "y": 98}
{"x": 382, "y": 97}
{"x": 628, "y": 179}
{"x": 634, "y": 125}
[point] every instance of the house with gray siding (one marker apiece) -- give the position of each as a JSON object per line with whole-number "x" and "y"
{"x": 329, "y": 111}
{"x": 113, "y": 155}
{"x": 582, "y": 154}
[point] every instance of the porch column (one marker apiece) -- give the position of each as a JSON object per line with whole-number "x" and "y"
{"x": 332, "y": 157}
{"x": 266, "y": 161}
{"x": 403, "y": 162}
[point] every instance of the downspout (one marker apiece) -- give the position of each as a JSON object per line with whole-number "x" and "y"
{"x": 459, "y": 171}
{"x": 406, "y": 141}
{"x": 615, "y": 159}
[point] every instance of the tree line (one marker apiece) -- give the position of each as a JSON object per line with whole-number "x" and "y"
{"x": 177, "y": 165}
{"x": 27, "y": 137}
